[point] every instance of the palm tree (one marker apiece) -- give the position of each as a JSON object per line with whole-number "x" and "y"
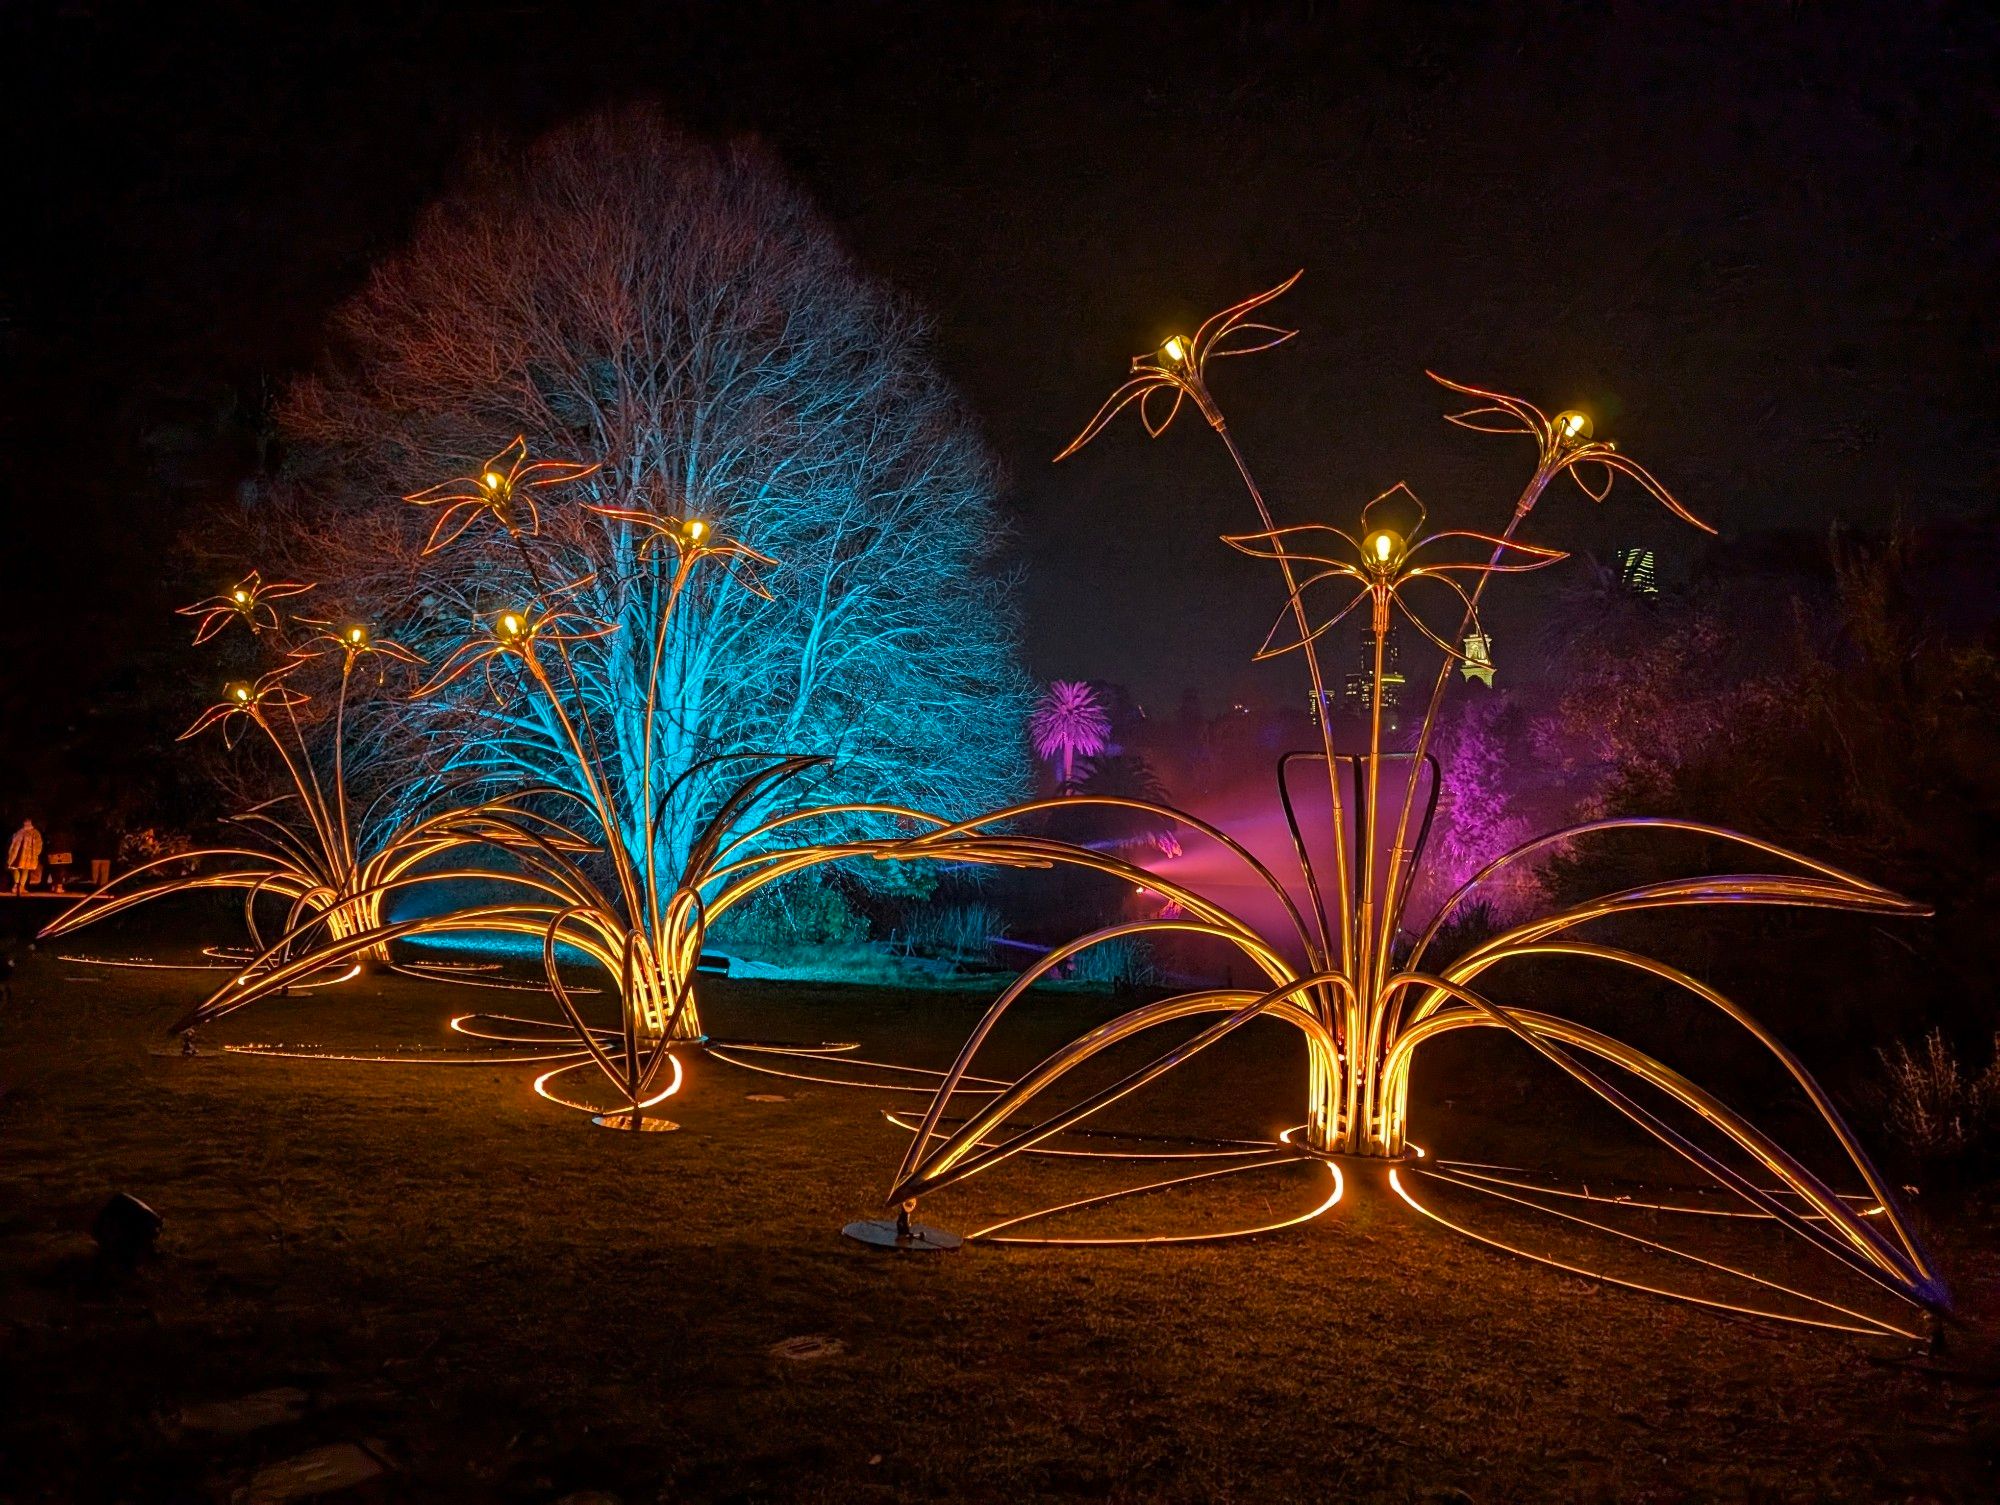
{"x": 1068, "y": 722}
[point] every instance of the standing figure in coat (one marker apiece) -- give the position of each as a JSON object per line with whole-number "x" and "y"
{"x": 24, "y": 855}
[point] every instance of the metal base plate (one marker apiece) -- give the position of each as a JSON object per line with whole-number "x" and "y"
{"x": 647, "y": 1125}
{"x": 880, "y": 1233}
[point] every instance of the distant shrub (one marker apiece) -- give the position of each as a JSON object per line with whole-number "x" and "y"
{"x": 1122, "y": 963}
{"x": 148, "y": 843}
{"x": 962, "y": 932}
{"x": 787, "y": 914}
{"x": 1935, "y": 1108}
{"x": 1473, "y": 922}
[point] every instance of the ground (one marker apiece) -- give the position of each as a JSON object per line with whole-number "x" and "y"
{"x": 503, "y": 1302}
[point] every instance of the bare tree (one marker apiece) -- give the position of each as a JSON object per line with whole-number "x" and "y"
{"x": 680, "y": 314}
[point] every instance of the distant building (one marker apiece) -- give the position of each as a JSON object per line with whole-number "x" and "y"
{"x": 1357, "y": 689}
{"x": 1635, "y": 571}
{"x": 1478, "y": 661}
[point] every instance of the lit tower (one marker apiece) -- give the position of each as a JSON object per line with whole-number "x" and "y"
{"x": 1478, "y": 661}
{"x": 1635, "y": 571}
{"x": 1357, "y": 689}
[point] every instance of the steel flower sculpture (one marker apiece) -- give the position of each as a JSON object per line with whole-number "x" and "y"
{"x": 248, "y": 601}
{"x": 602, "y": 882}
{"x": 309, "y": 850}
{"x": 1378, "y": 568}
{"x": 1367, "y": 1000}
{"x": 502, "y": 491}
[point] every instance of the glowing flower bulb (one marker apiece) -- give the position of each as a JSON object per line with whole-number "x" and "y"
{"x": 510, "y": 625}
{"x": 493, "y": 480}
{"x": 696, "y": 528}
{"x": 1175, "y": 350}
{"x": 241, "y": 596}
{"x": 1573, "y": 425}
{"x": 1381, "y": 548}
{"x": 357, "y": 636}
{"x": 239, "y": 692}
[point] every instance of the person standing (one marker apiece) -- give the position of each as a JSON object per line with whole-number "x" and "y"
{"x": 24, "y": 855}
{"x": 60, "y": 858}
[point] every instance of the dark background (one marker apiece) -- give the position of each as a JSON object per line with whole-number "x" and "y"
{"x": 1755, "y": 240}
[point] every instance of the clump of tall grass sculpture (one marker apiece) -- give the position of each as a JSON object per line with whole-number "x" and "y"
{"x": 1365, "y": 997}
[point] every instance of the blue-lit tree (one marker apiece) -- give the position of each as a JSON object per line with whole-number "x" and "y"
{"x": 682, "y": 314}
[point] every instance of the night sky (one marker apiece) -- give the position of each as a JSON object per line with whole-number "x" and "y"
{"x": 1756, "y": 240}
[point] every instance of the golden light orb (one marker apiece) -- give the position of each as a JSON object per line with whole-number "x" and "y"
{"x": 510, "y": 624}
{"x": 357, "y": 635}
{"x": 241, "y": 596}
{"x": 1381, "y": 548}
{"x": 1175, "y": 350}
{"x": 239, "y": 691}
{"x": 493, "y": 480}
{"x": 695, "y": 529}
{"x": 1573, "y": 425}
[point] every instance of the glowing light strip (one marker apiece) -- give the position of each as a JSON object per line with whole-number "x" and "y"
{"x": 460, "y": 1024}
{"x": 1878, "y": 1330}
{"x": 991, "y": 1233}
{"x": 834, "y": 1081}
{"x": 1700, "y": 1212}
{"x": 479, "y": 982}
{"x": 348, "y": 976}
{"x": 1655, "y": 1245}
{"x": 1248, "y": 1151}
{"x": 542, "y": 1087}
{"x": 822, "y": 1052}
{"x": 469, "y": 1059}
{"x": 144, "y": 964}
{"x": 561, "y": 1025}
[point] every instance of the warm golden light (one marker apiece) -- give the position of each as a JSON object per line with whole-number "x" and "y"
{"x": 1367, "y": 1000}
{"x": 493, "y": 480}
{"x": 1175, "y": 350}
{"x": 357, "y": 635}
{"x": 1348, "y": 977}
{"x": 242, "y": 596}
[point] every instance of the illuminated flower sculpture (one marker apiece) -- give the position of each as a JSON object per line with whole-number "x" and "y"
{"x": 616, "y": 896}
{"x": 1378, "y": 567}
{"x": 247, "y": 601}
{"x": 1363, "y": 995}
{"x": 502, "y": 491}
{"x": 309, "y": 855}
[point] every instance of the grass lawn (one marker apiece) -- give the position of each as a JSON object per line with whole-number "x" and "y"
{"x": 507, "y": 1303}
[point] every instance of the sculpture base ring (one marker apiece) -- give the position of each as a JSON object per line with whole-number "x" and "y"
{"x": 1294, "y": 1139}
{"x": 880, "y": 1233}
{"x": 623, "y": 1121}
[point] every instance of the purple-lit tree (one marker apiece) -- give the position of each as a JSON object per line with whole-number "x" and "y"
{"x": 1069, "y": 723}
{"x": 1478, "y": 817}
